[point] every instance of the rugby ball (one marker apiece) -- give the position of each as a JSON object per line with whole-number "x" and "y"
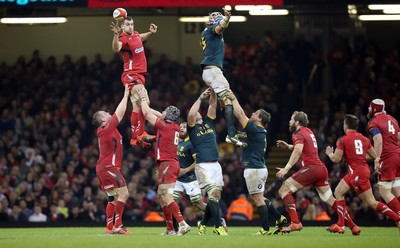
{"x": 120, "y": 14}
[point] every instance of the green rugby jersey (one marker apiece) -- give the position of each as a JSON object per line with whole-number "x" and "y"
{"x": 253, "y": 153}
{"x": 213, "y": 47}
{"x": 204, "y": 140}
{"x": 186, "y": 158}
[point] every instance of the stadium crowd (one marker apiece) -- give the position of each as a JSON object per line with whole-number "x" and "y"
{"x": 49, "y": 150}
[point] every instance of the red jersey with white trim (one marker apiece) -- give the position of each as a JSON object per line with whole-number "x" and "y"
{"x": 309, "y": 155}
{"x": 388, "y": 127}
{"x": 132, "y": 52}
{"x": 167, "y": 140}
{"x": 110, "y": 145}
{"x": 355, "y": 146}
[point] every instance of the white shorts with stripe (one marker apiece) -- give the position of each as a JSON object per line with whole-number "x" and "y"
{"x": 255, "y": 180}
{"x": 213, "y": 77}
{"x": 191, "y": 188}
{"x": 209, "y": 174}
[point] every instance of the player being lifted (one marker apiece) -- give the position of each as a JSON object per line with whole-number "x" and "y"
{"x": 129, "y": 44}
{"x": 212, "y": 42}
{"x": 354, "y": 147}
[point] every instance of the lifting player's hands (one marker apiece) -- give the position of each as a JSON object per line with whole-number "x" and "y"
{"x": 153, "y": 28}
{"x": 206, "y": 93}
{"x": 230, "y": 95}
{"x": 127, "y": 90}
{"x": 142, "y": 92}
{"x": 377, "y": 165}
{"x": 226, "y": 12}
{"x": 281, "y": 173}
{"x": 282, "y": 144}
{"x": 328, "y": 150}
{"x": 115, "y": 27}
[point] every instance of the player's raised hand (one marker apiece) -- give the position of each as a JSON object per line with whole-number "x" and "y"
{"x": 127, "y": 90}
{"x": 230, "y": 95}
{"x": 282, "y": 144}
{"x": 115, "y": 27}
{"x": 227, "y": 12}
{"x": 281, "y": 173}
{"x": 328, "y": 150}
{"x": 153, "y": 28}
{"x": 142, "y": 92}
{"x": 206, "y": 93}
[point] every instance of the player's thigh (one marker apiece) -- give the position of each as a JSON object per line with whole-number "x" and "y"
{"x": 214, "y": 78}
{"x": 311, "y": 175}
{"x": 255, "y": 180}
{"x": 168, "y": 172}
{"x": 179, "y": 187}
{"x": 389, "y": 168}
{"x": 209, "y": 173}
{"x": 192, "y": 188}
{"x": 111, "y": 179}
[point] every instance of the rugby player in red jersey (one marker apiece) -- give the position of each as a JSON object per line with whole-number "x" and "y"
{"x": 109, "y": 164}
{"x": 129, "y": 44}
{"x": 386, "y": 136}
{"x": 353, "y": 146}
{"x": 167, "y": 160}
{"x": 312, "y": 172}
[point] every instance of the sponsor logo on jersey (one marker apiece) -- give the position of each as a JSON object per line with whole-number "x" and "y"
{"x": 109, "y": 186}
{"x": 139, "y": 50}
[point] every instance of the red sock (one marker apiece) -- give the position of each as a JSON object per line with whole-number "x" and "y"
{"x": 142, "y": 122}
{"x": 348, "y": 219}
{"x": 168, "y": 218}
{"x": 119, "y": 211}
{"x": 174, "y": 208}
{"x": 110, "y": 209}
{"x": 339, "y": 206}
{"x": 383, "y": 209}
{"x": 290, "y": 204}
{"x": 394, "y": 205}
{"x": 134, "y": 125}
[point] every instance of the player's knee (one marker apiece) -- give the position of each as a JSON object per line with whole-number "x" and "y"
{"x": 385, "y": 185}
{"x": 286, "y": 188}
{"x": 195, "y": 199}
{"x": 325, "y": 195}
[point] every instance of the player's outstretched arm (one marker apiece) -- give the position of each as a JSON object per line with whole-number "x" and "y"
{"x": 294, "y": 157}
{"x": 120, "y": 111}
{"x": 191, "y": 119}
{"x": 147, "y": 111}
{"x": 212, "y": 106}
{"x": 237, "y": 109}
{"x": 152, "y": 30}
{"x": 224, "y": 23}
{"x": 334, "y": 156}
{"x": 116, "y": 44}
{"x": 283, "y": 144}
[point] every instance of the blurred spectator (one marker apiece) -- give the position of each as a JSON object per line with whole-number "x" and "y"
{"x": 240, "y": 209}
{"x": 37, "y": 215}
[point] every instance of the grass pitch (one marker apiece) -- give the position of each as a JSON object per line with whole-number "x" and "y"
{"x": 86, "y": 237}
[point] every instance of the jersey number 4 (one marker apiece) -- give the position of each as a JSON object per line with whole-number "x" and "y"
{"x": 391, "y": 127}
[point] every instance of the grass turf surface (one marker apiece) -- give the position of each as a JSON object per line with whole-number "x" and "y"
{"x": 85, "y": 237}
